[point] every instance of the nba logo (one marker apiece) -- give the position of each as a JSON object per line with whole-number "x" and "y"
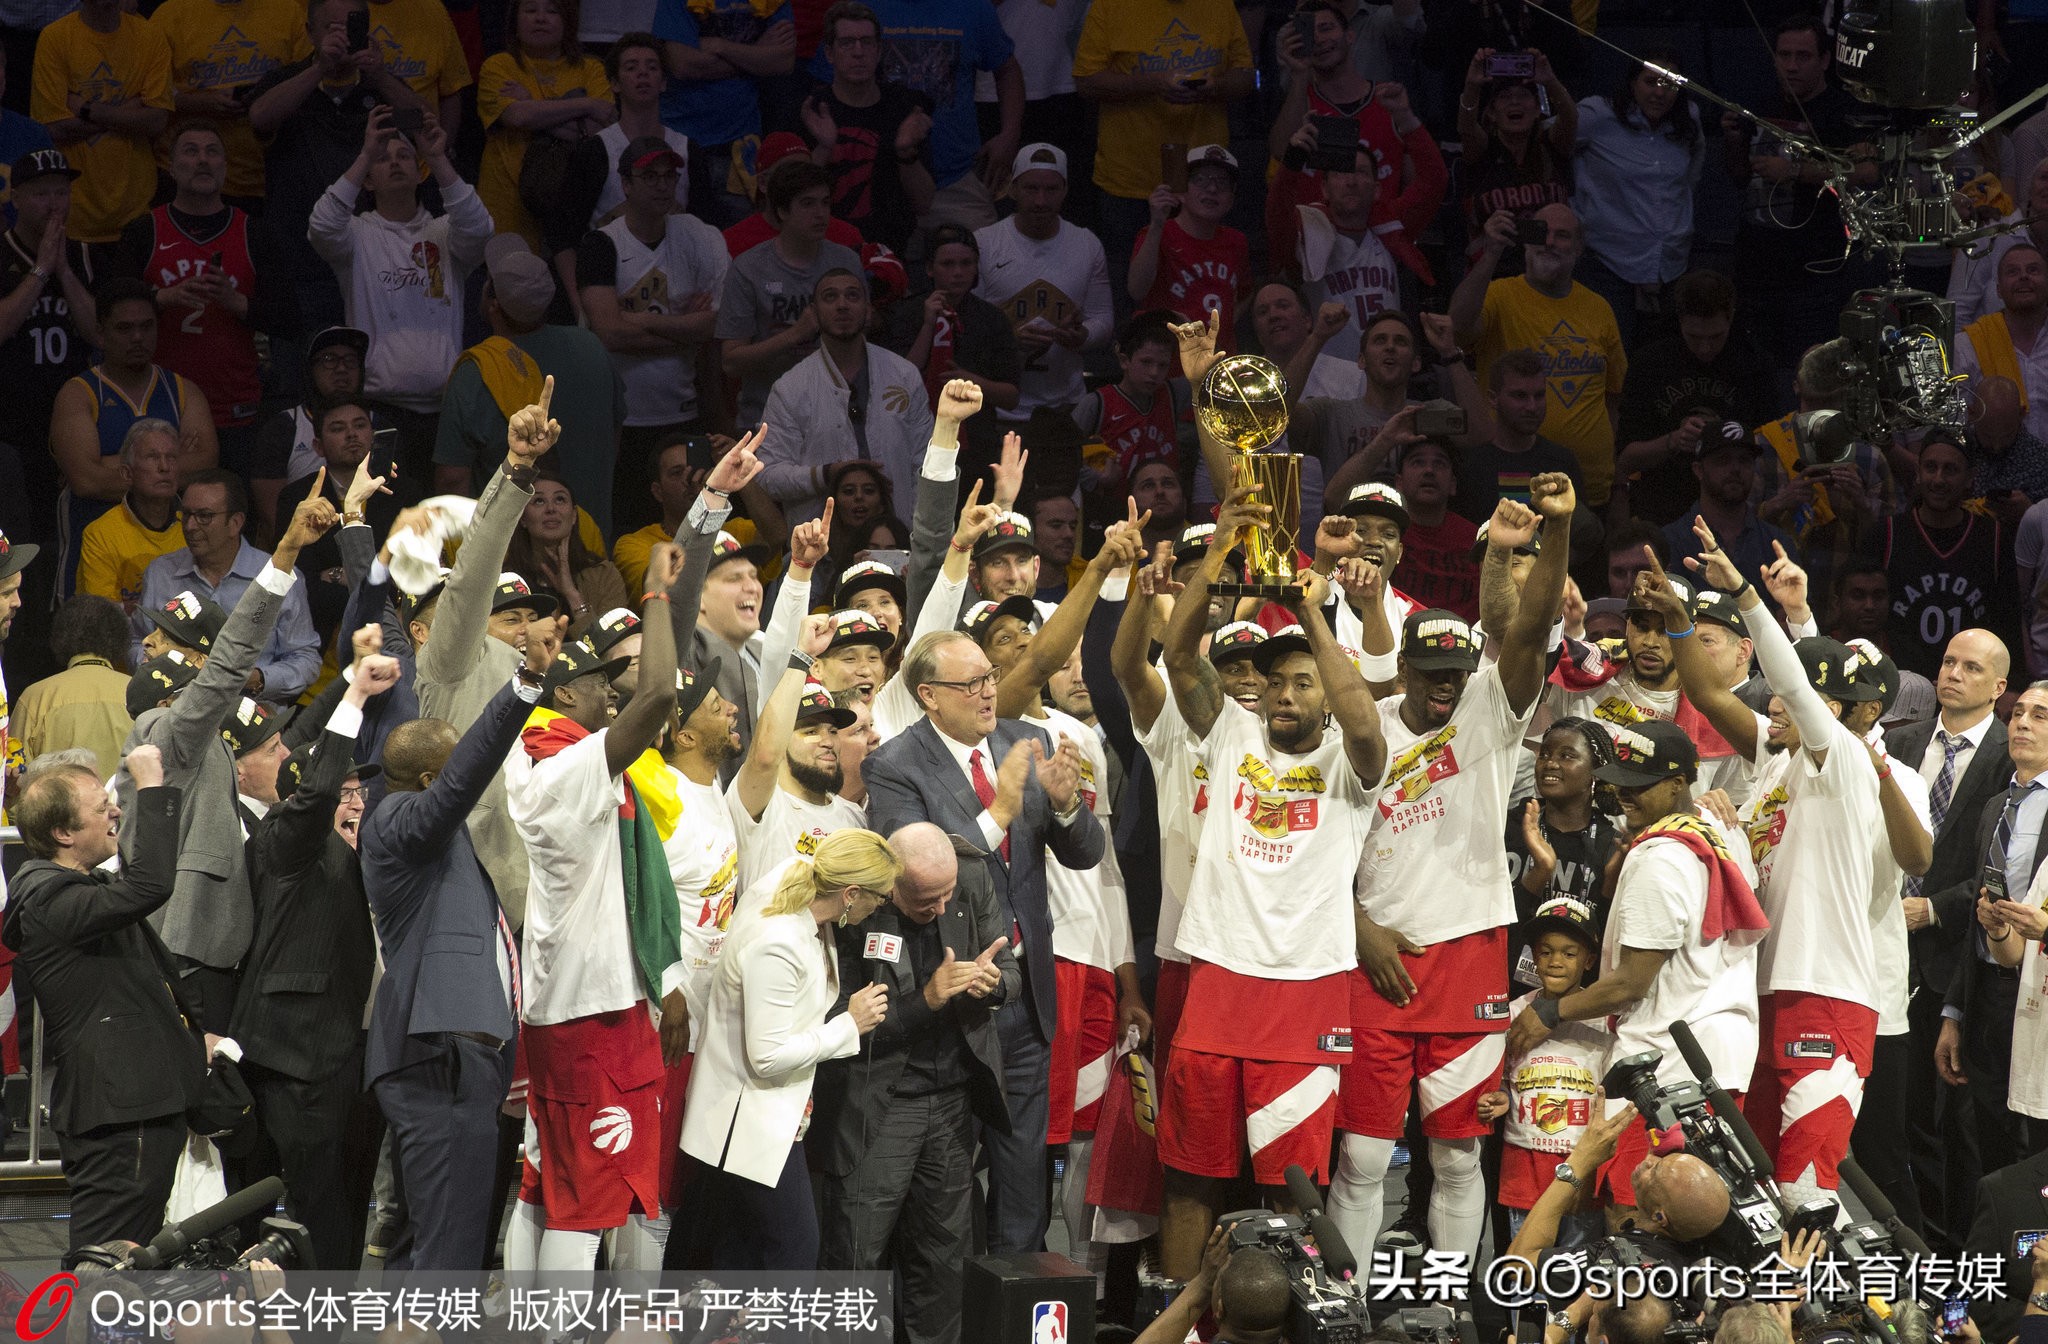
{"x": 1049, "y": 1323}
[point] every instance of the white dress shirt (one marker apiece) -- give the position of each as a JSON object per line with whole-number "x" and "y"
{"x": 1930, "y": 760}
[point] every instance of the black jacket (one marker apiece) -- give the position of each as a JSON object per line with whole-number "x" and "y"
{"x": 2009, "y": 1201}
{"x": 1951, "y": 882}
{"x": 851, "y": 1093}
{"x": 307, "y": 975}
{"x": 101, "y": 977}
{"x": 1968, "y": 967}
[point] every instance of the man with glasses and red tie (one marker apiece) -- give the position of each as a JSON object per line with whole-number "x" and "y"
{"x": 1007, "y": 788}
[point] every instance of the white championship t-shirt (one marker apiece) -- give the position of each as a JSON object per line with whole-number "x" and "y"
{"x": 1091, "y": 920}
{"x": 1180, "y": 783}
{"x": 788, "y": 825}
{"x": 1271, "y": 890}
{"x": 704, "y": 860}
{"x": 576, "y": 950}
{"x": 1659, "y": 901}
{"x": 1810, "y": 834}
{"x": 1435, "y": 866}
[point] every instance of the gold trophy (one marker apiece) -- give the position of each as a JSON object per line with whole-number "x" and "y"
{"x": 1242, "y": 404}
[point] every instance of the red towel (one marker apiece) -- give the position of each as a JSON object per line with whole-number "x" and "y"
{"x": 1732, "y": 907}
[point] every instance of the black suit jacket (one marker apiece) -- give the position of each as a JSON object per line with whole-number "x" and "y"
{"x": 307, "y": 976}
{"x": 851, "y": 1093}
{"x": 2009, "y": 1201}
{"x": 913, "y": 777}
{"x": 101, "y": 977}
{"x": 1951, "y": 881}
{"x": 1963, "y": 980}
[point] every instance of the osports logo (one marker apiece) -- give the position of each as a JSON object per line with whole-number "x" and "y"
{"x": 57, "y": 1291}
{"x": 612, "y": 1131}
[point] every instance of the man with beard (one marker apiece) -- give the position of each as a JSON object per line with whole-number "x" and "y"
{"x": 1267, "y": 927}
{"x": 1816, "y": 804}
{"x": 1428, "y": 1002}
{"x": 1180, "y": 781}
{"x": 1725, "y": 465}
{"x": 804, "y": 804}
{"x": 1569, "y": 325}
{"x": 1680, "y": 946}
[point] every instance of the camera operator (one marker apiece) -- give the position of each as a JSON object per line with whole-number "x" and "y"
{"x": 132, "y": 1064}
{"x": 1245, "y": 1290}
{"x": 1680, "y": 945}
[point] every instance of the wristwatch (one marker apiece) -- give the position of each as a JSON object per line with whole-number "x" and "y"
{"x": 2038, "y": 1301}
{"x": 528, "y": 677}
{"x": 1565, "y": 1173}
{"x": 1561, "y": 1320}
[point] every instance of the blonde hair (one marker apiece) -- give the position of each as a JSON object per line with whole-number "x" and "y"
{"x": 845, "y": 858}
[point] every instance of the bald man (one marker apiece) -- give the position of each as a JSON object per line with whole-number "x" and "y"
{"x": 1965, "y": 744}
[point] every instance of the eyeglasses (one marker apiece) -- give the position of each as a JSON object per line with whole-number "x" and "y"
{"x": 354, "y": 793}
{"x": 205, "y": 515}
{"x": 980, "y": 685}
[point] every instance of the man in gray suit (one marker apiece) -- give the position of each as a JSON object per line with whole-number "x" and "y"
{"x": 211, "y": 916}
{"x": 893, "y": 1132}
{"x": 1007, "y": 788}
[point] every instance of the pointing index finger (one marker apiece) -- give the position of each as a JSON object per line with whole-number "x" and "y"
{"x": 547, "y": 393}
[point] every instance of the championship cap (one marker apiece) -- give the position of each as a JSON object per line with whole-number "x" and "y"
{"x": 982, "y": 616}
{"x": 1375, "y": 499}
{"x": 1010, "y": 530}
{"x": 1202, "y": 155}
{"x": 1267, "y": 653}
{"x": 1648, "y": 753}
{"x": 693, "y": 687}
{"x": 1562, "y": 914}
{"x": 1718, "y": 608}
{"x": 612, "y": 628}
{"x": 858, "y": 627}
{"x": 1435, "y": 640}
{"x": 299, "y": 764}
{"x": 158, "y": 680}
{"x": 728, "y": 547}
{"x": 189, "y": 619}
{"x": 578, "y": 659}
{"x": 1239, "y": 639}
{"x": 249, "y": 725}
{"x": 1533, "y": 546}
{"x": 1826, "y": 662}
{"x": 816, "y": 703}
{"x": 865, "y": 575}
{"x": 514, "y": 592}
{"x": 1872, "y": 675}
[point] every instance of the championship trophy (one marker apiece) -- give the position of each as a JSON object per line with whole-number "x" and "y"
{"x": 1242, "y": 403}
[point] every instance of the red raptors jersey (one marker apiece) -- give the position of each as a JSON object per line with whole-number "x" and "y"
{"x": 208, "y": 345}
{"x": 1197, "y": 277}
{"x": 1375, "y": 128}
{"x": 1135, "y": 436}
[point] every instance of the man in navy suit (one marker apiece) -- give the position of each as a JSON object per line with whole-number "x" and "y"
{"x": 1007, "y": 788}
{"x": 444, "y": 1023}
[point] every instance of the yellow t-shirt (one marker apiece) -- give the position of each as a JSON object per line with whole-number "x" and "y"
{"x": 420, "y": 47}
{"x": 228, "y": 45}
{"x": 1186, "y": 38}
{"x": 116, "y": 548}
{"x": 504, "y": 81}
{"x": 119, "y": 171}
{"x": 1581, "y": 348}
{"x": 630, "y": 552}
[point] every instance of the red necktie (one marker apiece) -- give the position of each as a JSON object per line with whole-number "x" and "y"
{"x": 985, "y": 790}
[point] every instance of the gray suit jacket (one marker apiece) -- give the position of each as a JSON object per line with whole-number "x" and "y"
{"x": 461, "y": 669}
{"x": 913, "y": 777}
{"x": 211, "y": 915}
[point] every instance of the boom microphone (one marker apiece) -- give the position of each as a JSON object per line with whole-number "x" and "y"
{"x": 1725, "y": 1108}
{"x": 172, "y": 1243}
{"x": 1338, "y": 1260}
{"x": 1302, "y": 1191}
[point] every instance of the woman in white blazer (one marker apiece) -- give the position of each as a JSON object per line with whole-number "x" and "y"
{"x": 765, "y": 1032}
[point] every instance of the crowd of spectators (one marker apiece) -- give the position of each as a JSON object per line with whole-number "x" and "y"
{"x": 836, "y": 362}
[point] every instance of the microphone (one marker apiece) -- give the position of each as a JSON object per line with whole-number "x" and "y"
{"x": 1857, "y": 1179}
{"x": 1302, "y": 1191}
{"x": 1724, "y": 1105}
{"x": 171, "y": 1243}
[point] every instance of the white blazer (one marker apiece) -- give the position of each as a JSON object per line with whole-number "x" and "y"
{"x": 764, "y": 1035}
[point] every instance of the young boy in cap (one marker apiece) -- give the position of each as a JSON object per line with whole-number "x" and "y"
{"x": 1546, "y": 1093}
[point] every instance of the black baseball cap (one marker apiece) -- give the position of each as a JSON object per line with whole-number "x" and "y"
{"x": 816, "y": 703}
{"x": 857, "y": 627}
{"x": 1239, "y": 639}
{"x": 1827, "y": 668}
{"x": 693, "y": 687}
{"x": 1376, "y": 499}
{"x": 410, "y": 604}
{"x": 300, "y": 763}
{"x": 249, "y": 725}
{"x": 1678, "y": 585}
{"x": 980, "y": 618}
{"x": 158, "y": 680}
{"x": 189, "y": 619}
{"x": 1648, "y": 753}
{"x": 1718, "y": 608}
{"x": 1267, "y": 653}
{"x": 578, "y": 659}
{"x": 865, "y": 575}
{"x": 1194, "y": 542}
{"x": 15, "y": 557}
{"x": 514, "y": 591}
{"x": 1533, "y": 546}
{"x": 1562, "y": 914}
{"x": 729, "y": 547}
{"x": 1727, "y": 434}
{"x": 1010, "y": 530}
{"x": 354, "y": 338}
{"x": 612, "y": 627}
{"x": 1872, "y": 676}
{"x": 1436, "y": 640}
{"x": 40, "y": 163}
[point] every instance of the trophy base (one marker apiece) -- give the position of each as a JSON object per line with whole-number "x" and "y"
{"x": 1271, "y": 592}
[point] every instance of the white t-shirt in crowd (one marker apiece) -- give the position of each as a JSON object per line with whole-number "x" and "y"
{"x": 788, "y": 826}
{"x": 1810, "y": 834}
{"x": 1887, "y": 912}
{"x": 704, "y": 860}
{"x": 690, "y": 259}
{"x": 1091, "y": 919}
{"x": 1435, "y": 867}
{"x": 576, "y": 951}
{"x": 1623, "y": 701}
{"x": 1659, "y": 901}
{"x": 1270, "y": 895}
{"x": 1180, "y": 782}
{"x": 612, "y": 194}
{"x": 1050, "y": 281}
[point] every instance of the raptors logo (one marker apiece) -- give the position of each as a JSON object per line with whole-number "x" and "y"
{"x": 612, "y": 1131}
